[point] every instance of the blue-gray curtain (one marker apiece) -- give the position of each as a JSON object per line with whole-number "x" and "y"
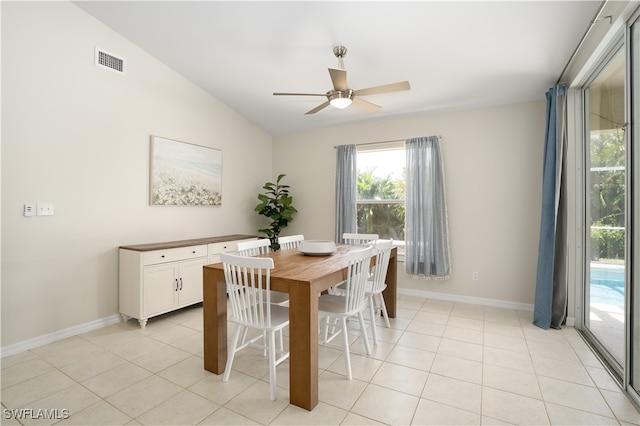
{"x": 427, "y": 228}
{"x": 346, "y": 187}
{"x": 550, "y": 308}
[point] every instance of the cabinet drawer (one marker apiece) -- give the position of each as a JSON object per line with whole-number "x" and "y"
{"x": 171, "y": 255}
{"x": 225, "y": 247}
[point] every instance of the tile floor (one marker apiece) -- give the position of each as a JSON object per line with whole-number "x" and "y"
{"x": 440, "y": 363}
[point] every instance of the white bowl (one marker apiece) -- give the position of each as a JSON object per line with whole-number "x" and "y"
{"x": 317, "y": 247}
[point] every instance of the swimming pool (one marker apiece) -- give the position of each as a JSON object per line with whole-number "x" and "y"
{"x": 607, "y": 284}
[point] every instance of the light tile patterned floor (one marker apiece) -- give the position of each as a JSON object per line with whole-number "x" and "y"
{"x": 440, "y": 363}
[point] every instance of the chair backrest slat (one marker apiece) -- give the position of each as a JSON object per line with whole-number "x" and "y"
{"x": 254, "y": 247}
{"x": 247, "y": 277}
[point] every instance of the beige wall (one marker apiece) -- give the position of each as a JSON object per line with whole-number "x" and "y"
{"x": 493, "y": 171}
{"x": 78, "y": 136}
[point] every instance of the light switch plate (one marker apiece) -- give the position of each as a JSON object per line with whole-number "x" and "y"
{"x": 44, "y": 209}
{"x": 28, "y": 210}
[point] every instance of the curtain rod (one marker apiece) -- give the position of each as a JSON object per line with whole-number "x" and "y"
{"x": 380, "y": 142}
{"x": 595, "y": 20}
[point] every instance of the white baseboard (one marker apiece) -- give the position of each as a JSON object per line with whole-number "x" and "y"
{"x": 467, "y": 299}
{"x": 58, "y": 335}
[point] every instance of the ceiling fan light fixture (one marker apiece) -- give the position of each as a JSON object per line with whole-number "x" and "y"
{"x": 340, "y": 100}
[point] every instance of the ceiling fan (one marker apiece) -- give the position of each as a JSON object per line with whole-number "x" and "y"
{"x": 341, "y": 96}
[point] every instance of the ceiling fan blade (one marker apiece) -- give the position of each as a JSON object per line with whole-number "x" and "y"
{"x": 365, "y": 105}
{"x": 299, "y": 94}
{"x": 339, "y": 79}
{"x": 386, "y": 88}
{"x": 318, "y": 108}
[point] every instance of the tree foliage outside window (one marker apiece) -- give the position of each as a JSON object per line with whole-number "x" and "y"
{"x": 607, "y": 151}
{"x": 381, "y": 198}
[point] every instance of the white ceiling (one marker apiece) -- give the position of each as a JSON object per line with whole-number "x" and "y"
{"x": 455, "y": 54}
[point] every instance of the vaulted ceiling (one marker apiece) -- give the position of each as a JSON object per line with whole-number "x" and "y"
{"x": 455, "y": 54}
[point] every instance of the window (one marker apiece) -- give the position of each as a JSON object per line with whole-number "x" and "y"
{"x": 381, "y": 190}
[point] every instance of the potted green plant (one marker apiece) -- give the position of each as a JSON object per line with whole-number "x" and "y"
{"x": 275, "y": 203}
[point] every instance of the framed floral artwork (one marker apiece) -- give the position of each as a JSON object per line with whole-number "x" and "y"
{"x": 183, "y": 174}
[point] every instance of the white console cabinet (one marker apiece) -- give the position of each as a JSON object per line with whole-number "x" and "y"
{"x": 162, "y": 277}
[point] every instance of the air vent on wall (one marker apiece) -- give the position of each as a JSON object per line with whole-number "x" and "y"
{"x": 110, "y": 61}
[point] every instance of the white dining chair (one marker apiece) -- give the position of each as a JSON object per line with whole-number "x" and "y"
{"x": 251, "y": 308}
{"x": 351, "y": 304}
{"x": 375, "y": 286}
{"x": 256, "y": 248}
{"x": 290, "y": 241}
{"x": 359, "y": 239}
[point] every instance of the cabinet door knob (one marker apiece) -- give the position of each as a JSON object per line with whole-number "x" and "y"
{"x": 176, "y": 284}
{"x": 180, "y": 284}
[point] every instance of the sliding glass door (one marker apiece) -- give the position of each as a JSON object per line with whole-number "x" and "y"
{"x": 605, "y": 209}
{"x": 611, "y": 288}
{"x": 633, "y": 372}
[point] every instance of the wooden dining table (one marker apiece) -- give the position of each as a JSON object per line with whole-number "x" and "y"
{"x": 304, "y": 278}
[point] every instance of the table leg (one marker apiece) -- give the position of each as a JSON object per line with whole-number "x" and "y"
{"x": 391, "y": 280}
{"x": 303, "y": 346}
{"x": 214, "y": 312}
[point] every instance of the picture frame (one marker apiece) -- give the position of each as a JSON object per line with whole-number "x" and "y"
{"x": 184, "y": 174}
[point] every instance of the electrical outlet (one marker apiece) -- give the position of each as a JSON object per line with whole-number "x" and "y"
{"x": 476, "y": 276}
{"x": 44, "y": 209}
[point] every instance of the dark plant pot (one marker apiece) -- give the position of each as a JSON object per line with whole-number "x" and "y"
{"x": 275, "y": 246}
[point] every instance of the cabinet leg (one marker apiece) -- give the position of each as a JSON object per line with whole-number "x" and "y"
{"x": 125, "y": 318}
{"x": 143, "y": 322}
